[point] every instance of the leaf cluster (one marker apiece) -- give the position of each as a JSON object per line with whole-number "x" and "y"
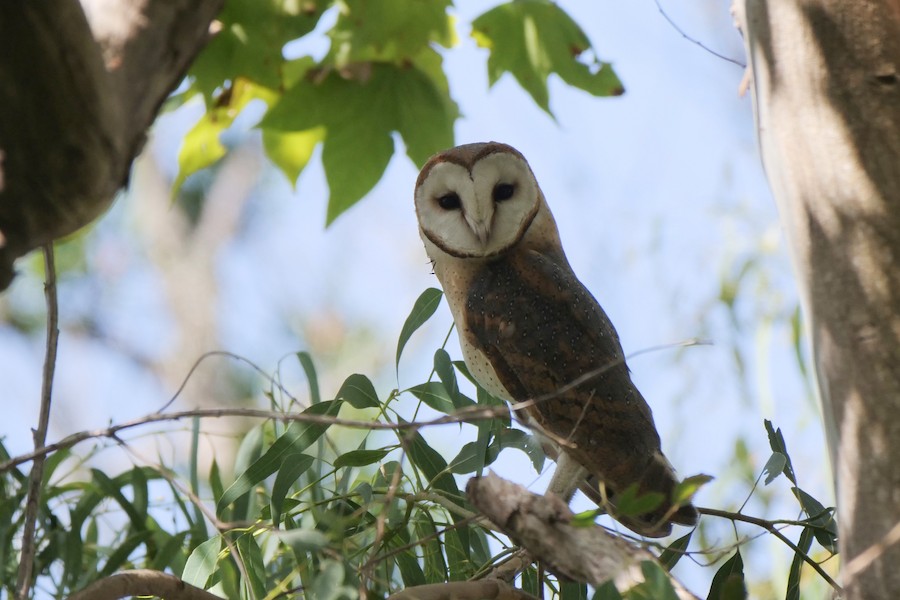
{"x": 381, "y": 76}
{"x": 309, "y": 511}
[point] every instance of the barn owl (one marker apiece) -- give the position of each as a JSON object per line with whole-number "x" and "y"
{"x": 528, "y": 328}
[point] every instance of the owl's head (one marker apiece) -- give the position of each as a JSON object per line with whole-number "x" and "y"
{"x": 477, "y": 200}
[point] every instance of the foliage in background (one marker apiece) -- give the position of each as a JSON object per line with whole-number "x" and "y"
{"x": 313, "y": 511}
{"x": 382, "y": 74}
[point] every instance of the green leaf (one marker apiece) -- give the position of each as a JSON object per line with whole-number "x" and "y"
{"x": 215, "y": 481}
{"x": 656, "y": 584}
{"x": 304, "y": 540}
{"x": 531, "y": 582}
{"x": 686, "y": 489}
{"x": 532, "y": 39}
{"x": 201, "y": 563}
{"x": 360, "y": 108}
{"x": 196, "y": 518}
{"x": 425, "y": 114}
{"x": 251, "y": 41}
{"x": 425, "y": 305}
{"x": 311, "y": 377}
{"x": 630, "y": 504}
{"x": 393, "y": 31}
{"x": 410, "y": 570}
{"x": 470, "y": 459}
{"x": 444, "y": 369}
{"x": 293, "y": 466}
{"x": 776, "y": 442}
{"x": 673, "y": 553}
{"x": 793, "y": 583}
{"x": 296, "y": 438}
{"x": 172, "y": 553}
{"x": 251, "y": 555}
{"x": 434, "y": 467}
{"x": 523, "y": 441}
{"x": 774, "y": 467}
{"x": 327, "y": 585}
{"x": 201, "y": 146}
{"x": 123, "y": 550}
{"x": 113, "y": 489}
{"x": 825, "y": 526}
{"x": 359, "y": 392}
{"x": 291, "y": 151}
{"x": 607, "y": 591}
{"x": 432, "y": 557}
{"x": 572, "y": 590}
{"x": 434, "y": 394}
{"x": 360, "y": 458}
{"x": 728, "y": 582}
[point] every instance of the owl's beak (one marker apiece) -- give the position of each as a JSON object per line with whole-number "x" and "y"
{"x": 481, "y": 228}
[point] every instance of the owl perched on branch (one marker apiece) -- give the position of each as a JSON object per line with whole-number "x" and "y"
{"x": 532, "y": 333}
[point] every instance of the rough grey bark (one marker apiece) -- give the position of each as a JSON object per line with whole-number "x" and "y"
{"x": 542, "y": 525}
{"x": 80, "y": 83}
{"x": 826, "y": 89}
{"x": 142, "y": 582}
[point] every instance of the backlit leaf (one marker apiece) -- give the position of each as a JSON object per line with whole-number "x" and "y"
{"x": 293, "y": 466}
{"x": 673, "y": 553}
{"x": 424, "y": 307}
{"x": 532, "y": 39}
{"x": 297, "y": 437}
{"x": 728, "y": 582}
{"x": 774, "y": 467}
{"x": 359, "y": 392}
{"x": 360, "y": 458}
{"x": 201, "y": 562}
{"x": 825, "y": 529}
{"x": 776, "y": 442}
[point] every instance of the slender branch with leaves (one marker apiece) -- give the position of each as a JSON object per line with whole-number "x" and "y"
{"x": 352, "y": 518}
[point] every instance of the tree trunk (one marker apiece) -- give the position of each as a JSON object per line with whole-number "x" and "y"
{"x": 79, "y": 86}
{"x": 826, "y": 90}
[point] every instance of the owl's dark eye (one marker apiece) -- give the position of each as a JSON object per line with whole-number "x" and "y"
{"x": 503, "y": 191}
{"x": 449, "y": 201}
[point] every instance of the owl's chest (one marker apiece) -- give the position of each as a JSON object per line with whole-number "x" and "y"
{"x": 480, "y": 366}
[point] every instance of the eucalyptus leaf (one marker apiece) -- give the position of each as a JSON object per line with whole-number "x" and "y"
{"x": 728, "y": 582}
{"x": 359, "y": 392}
{"x": 201, "y": 563}
{"x": 424, "y": 307}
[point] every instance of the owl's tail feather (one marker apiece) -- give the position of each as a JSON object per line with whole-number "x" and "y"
{"x": 658, "y": 477}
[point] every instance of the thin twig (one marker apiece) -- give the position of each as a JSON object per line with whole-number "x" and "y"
{"x": 770, "y": 527}
{"x": 464, "y": 415}
{"x": 29, "y": 548}
{"x": 692, "y": 40}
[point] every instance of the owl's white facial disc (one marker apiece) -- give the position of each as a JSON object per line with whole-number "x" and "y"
{"x": 479, "y": 211}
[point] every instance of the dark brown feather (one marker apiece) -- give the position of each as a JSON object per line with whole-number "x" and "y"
{"x": 541, "y": 329}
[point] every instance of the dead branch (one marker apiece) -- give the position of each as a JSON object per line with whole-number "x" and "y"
{"x": 485, "y": 589}
{"x": 542, "y": 525}
{"x": 36, "y": 477}
{"x": 142, "y": 582}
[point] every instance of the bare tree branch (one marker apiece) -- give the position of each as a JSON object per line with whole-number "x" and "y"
{"x": 485, "y": 589}
{"x": 29, "y": 548}
{"x": 142, "y": 582}
{"x": 542, "y": 525}
{"x": 771, "y": 528}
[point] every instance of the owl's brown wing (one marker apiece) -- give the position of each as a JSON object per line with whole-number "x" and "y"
{"x": 541, "y": 329}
